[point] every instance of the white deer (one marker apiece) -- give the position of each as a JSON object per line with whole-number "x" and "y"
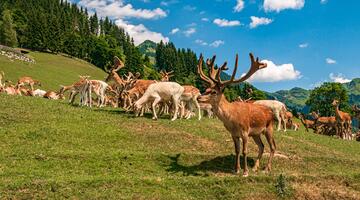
{"x": 161, "y": 91}
{"x": 278, "y": 108}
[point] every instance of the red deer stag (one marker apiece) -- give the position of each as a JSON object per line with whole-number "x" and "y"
{"x": 241, "y": 119}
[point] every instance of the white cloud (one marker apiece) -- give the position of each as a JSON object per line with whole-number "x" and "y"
{"x": 323, "y": 1}
{"x": 189, "y": 8}
{"x": 225, "y": 22}
{"x": 330, "y": 61}
{"x": 279, "y": 5}
{"x": 190, "y": 31}
{"x": 257, "y": 21}
{"x": 239, "y": 5}
{"x": 339, "y": 78}
{"x": 118, "y": 11}
{"x": 217, "y": 43}
{"x": 201, "y": 42}
{"x": 205, "y": 19}
{"x": 303, "y": 45}
{"x": 140, "y": 33}
{"x": 167, "y": 3}
{"x": 275, "y": 73}
{"x": 174, "y": 30}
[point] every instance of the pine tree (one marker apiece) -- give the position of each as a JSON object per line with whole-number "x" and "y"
{"x": 8, "y": 33}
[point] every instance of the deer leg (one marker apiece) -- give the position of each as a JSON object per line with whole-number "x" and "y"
{"x": 189, "y": 105}
{"x": 277, "y": 116}
{"x": 271, "y": 141}
{"x": 176, "y": 106}
{"x": 198, "y": 108}
{"x": 283, "y": 118}
{"x": 237, "y": 153}
{"x": 260, "y": 144}
{"x": 155, "y": 102}
{"x": 244, "y": 152}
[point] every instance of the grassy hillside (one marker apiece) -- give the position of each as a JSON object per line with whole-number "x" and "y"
{"x": 50, "y": 149}
{"x": 52, "y": 70}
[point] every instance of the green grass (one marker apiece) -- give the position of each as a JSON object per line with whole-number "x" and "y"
{"x": 52, "y": 150}
{"x": 52, "y": 70}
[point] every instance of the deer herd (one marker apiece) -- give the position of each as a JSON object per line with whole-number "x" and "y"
{"x": 244, "y": 119}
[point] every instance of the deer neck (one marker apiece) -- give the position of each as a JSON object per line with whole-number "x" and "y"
{"x": 337, "y": 112}
{"x": 221, "y": 108}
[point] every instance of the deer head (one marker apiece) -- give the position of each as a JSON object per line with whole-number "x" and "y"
{"x": 335, "y": 102}
{"x": 118, "y": 64}
{"x": 165, "y": 76}
{"x": 216, "y": 85}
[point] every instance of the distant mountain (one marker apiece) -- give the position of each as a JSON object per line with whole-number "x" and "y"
{"x": 296, "y": 97}
{"x": 354, "y": 90}
{"x": 148, "y": 48}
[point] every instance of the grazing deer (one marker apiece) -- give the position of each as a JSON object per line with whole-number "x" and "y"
{"x": 161, "y": 91}
{"x": 307, "y": 123}
{"x": 190, "y": 96}
{"x": 279, "y": 110}
{"x": 241, "y": 119}
{"x": 27, "y": 80}
{"x": 75, "y": 88}
{"x": 343, "y": 119}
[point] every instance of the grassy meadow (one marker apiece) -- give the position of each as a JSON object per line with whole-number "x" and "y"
{"x": 53, "y": 150}
{"x": 52, "y": 70}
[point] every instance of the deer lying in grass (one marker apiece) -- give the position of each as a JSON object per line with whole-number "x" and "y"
{"x": 161, "y": 91}
{"x": 53, "y": 95}
{"x": 38, "y": 93}
{"x": 279, "y": 110}
{"x": 307, "y": 123}
{"x": 343, "y": 119}
{"x": 11, "y": 89}
{"x": 27, "y": 80}
{"x": 243, "y": 120}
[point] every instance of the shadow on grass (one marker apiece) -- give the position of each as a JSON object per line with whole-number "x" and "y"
{"x": 220, "y": 164}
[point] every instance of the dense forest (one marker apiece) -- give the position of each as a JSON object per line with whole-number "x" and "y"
{"x": 58, "y": 26}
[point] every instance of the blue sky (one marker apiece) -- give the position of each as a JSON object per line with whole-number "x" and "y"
{"x": 304, "y": 42}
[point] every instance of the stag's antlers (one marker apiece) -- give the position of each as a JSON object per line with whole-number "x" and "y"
{"x": 214, "y": 77}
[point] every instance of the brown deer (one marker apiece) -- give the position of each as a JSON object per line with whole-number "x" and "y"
{"x": 27, "y": 80}
{"x": 165, "y": 76}
{"x": 241, "y": 119}
{"x": 343, "y": 119}
{"x": 325, "y": 123}
{"x": 307, "y": 123}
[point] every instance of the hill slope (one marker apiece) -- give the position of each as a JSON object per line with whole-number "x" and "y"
{"x": 94, "y": 153}
{"x": 52, "y": 70}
